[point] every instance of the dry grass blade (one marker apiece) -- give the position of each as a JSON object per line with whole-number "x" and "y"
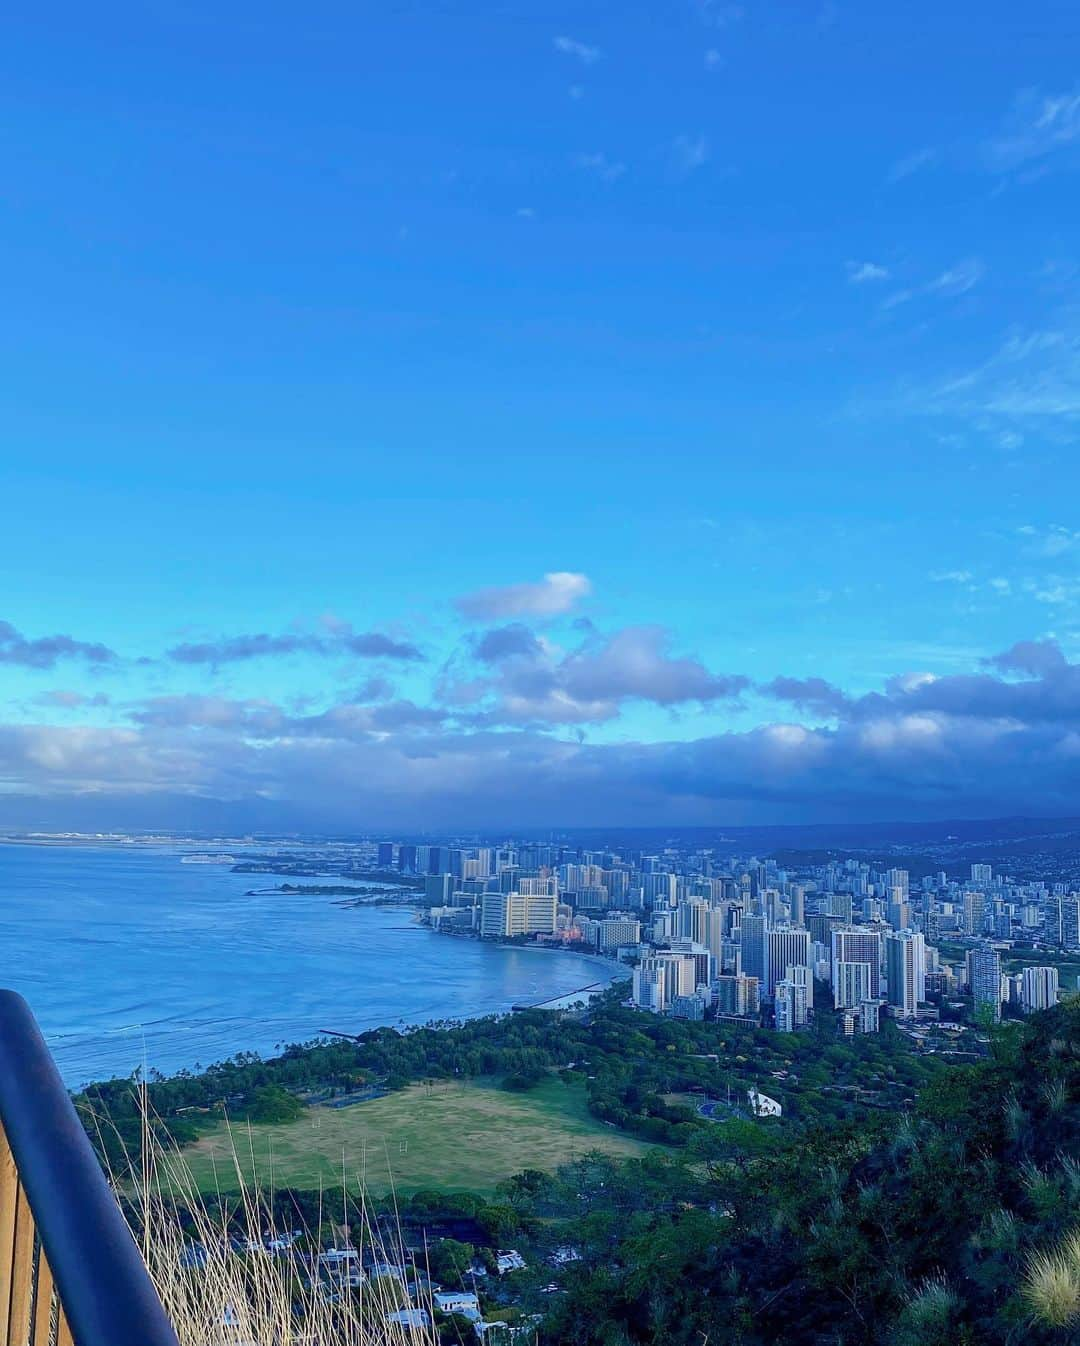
{"x": 228, "y": 1276}
{"x": 1052, "y": 1284}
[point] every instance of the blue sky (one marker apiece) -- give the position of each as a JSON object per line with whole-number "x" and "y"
{"x": 761, "y": 319}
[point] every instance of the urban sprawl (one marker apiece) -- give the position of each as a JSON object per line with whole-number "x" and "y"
{"x": 706, "y": 936}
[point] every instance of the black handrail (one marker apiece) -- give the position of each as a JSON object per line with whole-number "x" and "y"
{"x": 104, "y": 1288}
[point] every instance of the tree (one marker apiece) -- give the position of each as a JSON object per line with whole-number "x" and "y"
{"x": 271, "y": 1103}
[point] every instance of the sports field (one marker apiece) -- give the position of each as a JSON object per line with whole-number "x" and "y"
{"x": 449, "y": 1136}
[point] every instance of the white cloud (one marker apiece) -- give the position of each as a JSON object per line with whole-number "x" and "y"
{"x": 581, "y": 51}
{"x": 951, "y": 576}
{"x": 1038, "y": 125}
{"x": 1054, "y": 540}
{"x": 555, "y": 594}
{"x": 959, "y": 278}
{"x": 1031, "y": 376}
{"x": 861, "y": 272}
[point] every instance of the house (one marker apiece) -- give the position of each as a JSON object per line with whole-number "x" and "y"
{"x": 510, "y": 1260}
{"x": 335, "y": 1257}
{"x": 342, "y": 1266}
{"x": 416, "y": 1320}
{"x": 462, "y": 1302}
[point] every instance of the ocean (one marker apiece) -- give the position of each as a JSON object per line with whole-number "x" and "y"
{"x": 130, "y": 958}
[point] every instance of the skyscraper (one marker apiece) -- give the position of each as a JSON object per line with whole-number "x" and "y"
{"x": 858, "y": 946}
{"x": 753, "y": 938}
{"x": 974, "y": 913}
{"x": 787, "y": 947}
{"x": 851, "y": 984}
{"x": 1038, "y": 988}
{"x": 905, "y": 970}
{"x": 660, "y": 977}
{"x": 737, "y": 995}
{"x": 984, "y": 978}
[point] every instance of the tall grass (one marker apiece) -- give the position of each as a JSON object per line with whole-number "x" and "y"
{"x": 221, "y": 1286}
{"x": 1052, "y": 1284}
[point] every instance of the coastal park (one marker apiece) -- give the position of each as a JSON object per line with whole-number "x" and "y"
{"x": 450, "y": 1135}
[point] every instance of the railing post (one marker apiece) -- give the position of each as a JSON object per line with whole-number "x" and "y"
{"x": 22, "y": 1273}
{"x": 54, "y": 1201}
{"x": 9, "y": 1200}
{"x": 41, "y": 1333}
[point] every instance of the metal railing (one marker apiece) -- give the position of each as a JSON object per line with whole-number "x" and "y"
{"x": 70, "y": 1273}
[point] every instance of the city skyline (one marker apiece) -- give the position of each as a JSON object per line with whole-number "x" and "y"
{"x": 481, "y": 419}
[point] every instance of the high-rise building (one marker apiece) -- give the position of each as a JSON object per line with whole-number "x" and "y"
{"x": 753, "y": 938}
{"x": 534, "y": 887}
{"x": 974, "y": 914}
{"x": 905, "y": 971}
{"x": 406, "y": 859}
{"x": 851, "y": 983}
{"x": 839, "y": 904}
{"x": 784, "y": 1007}
{"x": 1063, "y": 920}
{"x": 899, "y": 913}
{"x": 615, "y": 931}
{"x": 791, "y": 999}
{"x": 821, "y": 925}
{"x": 437, "y": 889}
{"x": 703, "y": 959}
{"x": 1038, "y": 988}
{"x": 802, "y": 979}
{"x": 660, "y": 977}
{"x": 506, "y": 915}
{"x": 984, "y": 979}
{"x": 786, "y": 947}
{"x": 693, "y": 920}
{"x": 715, "y": 924}
{"x": 385, "y": 854}
{"x": 737, "y": 995}
{"x": 982, "y": 874}
{"x": 854, "y": 945}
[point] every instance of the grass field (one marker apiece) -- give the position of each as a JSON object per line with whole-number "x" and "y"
{"x": 450, "y": 1136}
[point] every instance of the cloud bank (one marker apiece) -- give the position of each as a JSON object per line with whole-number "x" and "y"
{"x": 501, "y": 741}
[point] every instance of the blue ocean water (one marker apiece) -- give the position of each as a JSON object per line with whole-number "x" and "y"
{"x": 130, "y": 957}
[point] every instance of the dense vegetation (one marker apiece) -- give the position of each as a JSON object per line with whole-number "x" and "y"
{"x": 907, "y": 1215}
{"x": 632, "y": 1063}
{"x": 903, "y": 1230}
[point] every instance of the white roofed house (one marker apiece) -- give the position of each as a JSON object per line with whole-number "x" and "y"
{"x": 462, "y": 1302}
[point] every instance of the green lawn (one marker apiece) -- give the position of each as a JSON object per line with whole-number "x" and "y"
{"x": 450, "y": 1136}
